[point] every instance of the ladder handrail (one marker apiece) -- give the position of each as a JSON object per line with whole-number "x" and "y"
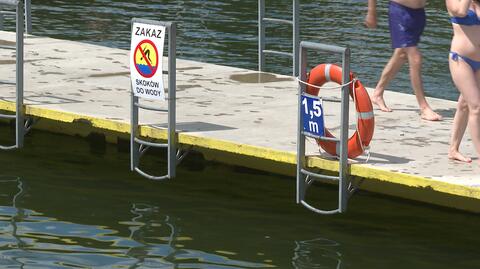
{"x": 303, "y": 175}
{"x": 296, "y": 35}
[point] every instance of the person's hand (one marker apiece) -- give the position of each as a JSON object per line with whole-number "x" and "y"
{"x": 371, "y": 20}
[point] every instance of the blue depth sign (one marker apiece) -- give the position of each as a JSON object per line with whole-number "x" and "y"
{"x": 312, "y": 116}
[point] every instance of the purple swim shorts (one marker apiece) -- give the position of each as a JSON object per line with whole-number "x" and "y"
{"x": 406, "y": 25}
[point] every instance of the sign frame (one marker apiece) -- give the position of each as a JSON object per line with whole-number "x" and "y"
{"x": 146, "y": 59}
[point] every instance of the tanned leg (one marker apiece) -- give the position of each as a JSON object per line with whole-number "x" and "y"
{"x": 415, "y": 62}
{"x": 458, "y": 130}
{"x": 398, "y": 58}
{"x": 467, "y": 83}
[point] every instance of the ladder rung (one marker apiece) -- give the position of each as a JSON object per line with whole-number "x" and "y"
{"x": 316, "y": 210}
{"x": 8, "y": 12}
{"x": 8, "y": 47}
{"x": 278, "y": 20}
{"x": 7, "y": 82}
{"x": 323, "y": 138}
{"x": 150, "y": 176}
{"x": 326, "y": 138}
{"x": 318, "y": 176}
{"x": 333, "y": 100}
{"x": 150, "y": 144}
{"x": 8, "y": 147}
{"x": 5, "y": 116}
{"x": 150, "y": 107}
{"x": 278, "y": 53}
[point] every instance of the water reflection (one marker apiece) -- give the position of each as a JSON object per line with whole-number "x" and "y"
{"x": 319, "y": 253}
{"x": 28, "y": 238}
{"x": 141, "y": 223}
{"x": 17, "y": 216}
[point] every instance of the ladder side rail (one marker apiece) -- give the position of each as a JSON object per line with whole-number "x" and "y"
{"x": 300, "y": 136}
{"x": 296, "y": 36}
{"x": 343, "y": 196}
{"x": 20, "y": 128}
{"x": 28, "y": 16}
{"x": 261, "y": 35}
{"x": 172, "y": 87}
{"x": 134, "y": 147}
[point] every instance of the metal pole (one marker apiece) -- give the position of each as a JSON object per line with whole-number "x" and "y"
{"x": 300, "y": 136}
{"x": 172, "y": 70}
{"x": 28, "y": 16}
{"x": 19, "y": 77}
{"x": 296, "y": 35}
{"x": 261, "y": 35}
{"x": 134, "y": 147}
{"x": 343, "y": 184}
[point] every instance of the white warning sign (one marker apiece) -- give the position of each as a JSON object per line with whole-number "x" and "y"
{"x": 146, "y": 58}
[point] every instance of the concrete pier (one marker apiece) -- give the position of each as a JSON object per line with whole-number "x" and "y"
{"x": 238, "y": 116}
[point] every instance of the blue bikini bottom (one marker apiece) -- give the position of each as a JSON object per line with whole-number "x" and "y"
{"x": 475, "y": 65}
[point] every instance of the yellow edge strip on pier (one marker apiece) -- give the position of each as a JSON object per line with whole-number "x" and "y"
{"x": 363, "y": 171}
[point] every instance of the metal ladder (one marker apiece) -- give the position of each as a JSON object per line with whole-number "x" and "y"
{"x": 28, "y": 14}
{"x": 139, "y": 146}
{"x": 262, "y": 38}
{"x": 21, "y": 128}
{"x": 305, "y": 177}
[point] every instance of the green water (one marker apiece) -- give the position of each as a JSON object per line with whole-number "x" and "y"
{"x": 67, "y": 202}
{"x": 225, "y": 32}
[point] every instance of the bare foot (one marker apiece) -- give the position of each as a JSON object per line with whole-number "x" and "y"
{"x": 429, "y": 114}
{"x": 457, "y": 156}
{"x": 378, "y": 100}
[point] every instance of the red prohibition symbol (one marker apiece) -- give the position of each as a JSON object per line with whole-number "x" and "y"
{"x": 146, "y": 58}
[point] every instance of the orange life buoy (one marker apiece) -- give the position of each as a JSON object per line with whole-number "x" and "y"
{"x": 365, "y": 118}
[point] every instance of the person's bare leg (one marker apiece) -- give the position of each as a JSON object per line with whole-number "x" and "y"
{"x": 391, "y": 69}
{"x": 459, "y": 125}
{"x": 468, "y": 84}
{"x": 415, "y": 62}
